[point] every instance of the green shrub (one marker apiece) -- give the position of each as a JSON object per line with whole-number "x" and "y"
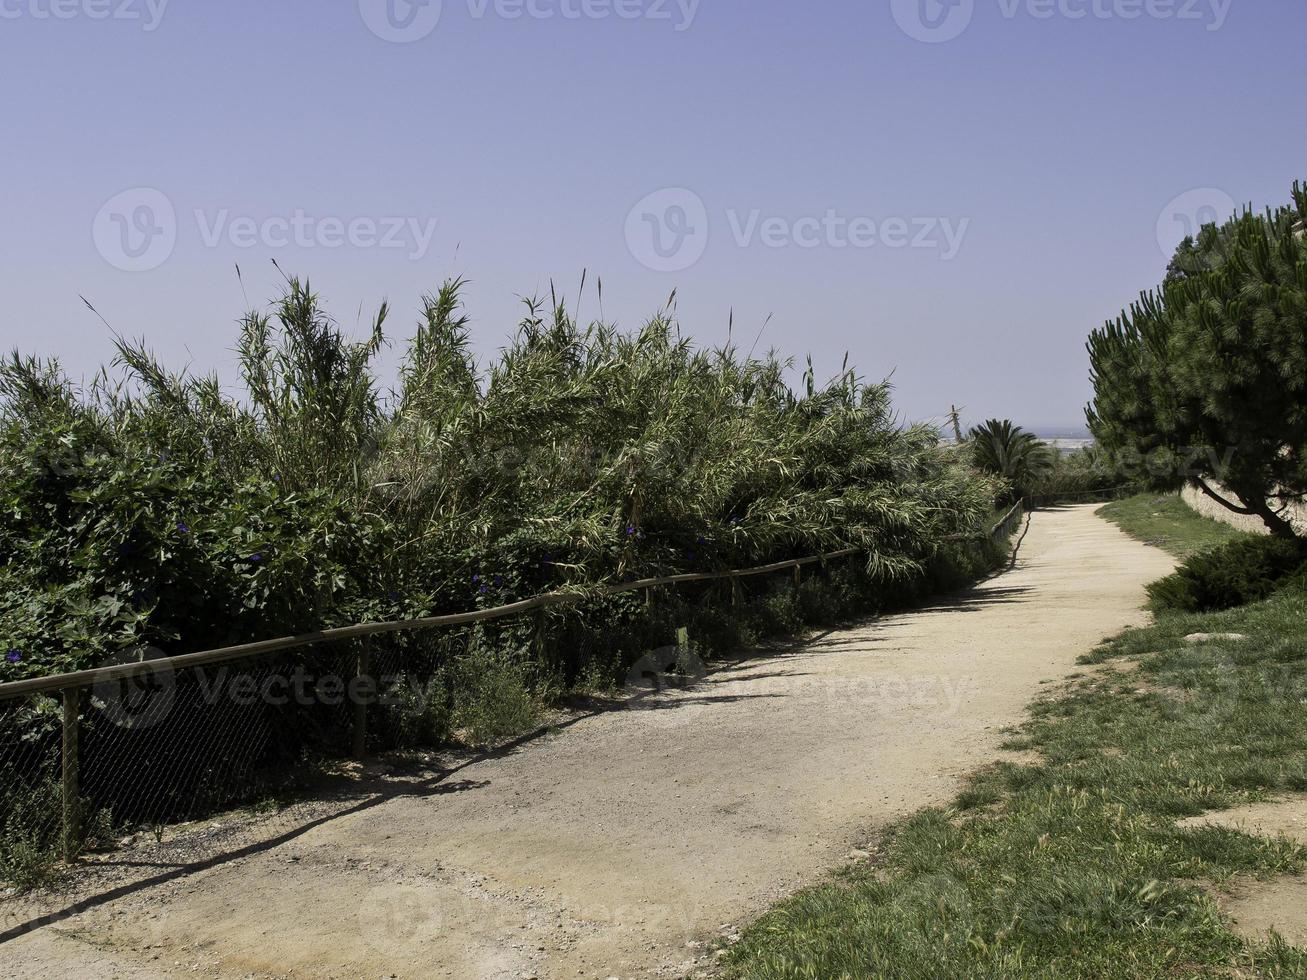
{"x": 416, "y": 714}
{"x": 494, "y": 699}
{"x": 29, "y": 834}
{"x": 1233, "y": 574}
{"x": 1297, "y": 582}
{"x": 1081, "y": 476}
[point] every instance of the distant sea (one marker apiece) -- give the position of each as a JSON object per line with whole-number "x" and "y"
{"x": 1067, "y": 445}
{"x": 1065, "y": 441}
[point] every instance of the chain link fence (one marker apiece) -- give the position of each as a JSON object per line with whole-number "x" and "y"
{"x": 158, "y": 766}
{"x": 187, "y": 761}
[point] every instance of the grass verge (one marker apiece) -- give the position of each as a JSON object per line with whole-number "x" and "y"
{"x": 1073, "y": 866}
{"x": 1167, "y": 522}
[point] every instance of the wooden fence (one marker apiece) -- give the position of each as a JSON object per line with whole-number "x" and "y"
{"x": 71, "y": 687}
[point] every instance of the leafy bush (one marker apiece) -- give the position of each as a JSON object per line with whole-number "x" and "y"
{"x": 157, "y": 510}
{"x": 1080, "y": 475}
{"x": 28, "y": 836}
{"x": 495, "y": 700}
{"x": 1297, "y": 582}
{"x": 1242, "y": 571}
{"x": 31, "y": 832}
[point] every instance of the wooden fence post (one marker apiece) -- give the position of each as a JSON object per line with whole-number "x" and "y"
{"x": 798, "y": 575}
{"x": 71, "y": 783}
{"x": 358, "y": 747}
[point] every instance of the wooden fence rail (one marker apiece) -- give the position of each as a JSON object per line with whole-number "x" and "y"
{"x": 205, "y": 658}
{"x": 71, "y": 686}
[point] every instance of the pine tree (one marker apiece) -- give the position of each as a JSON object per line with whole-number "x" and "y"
{"x": 1206, "y": 377}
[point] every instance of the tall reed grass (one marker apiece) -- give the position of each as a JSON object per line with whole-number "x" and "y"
{"x": 153, "y": 507}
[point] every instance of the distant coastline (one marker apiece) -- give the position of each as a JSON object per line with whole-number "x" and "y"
{"x": 1067, "y": 445}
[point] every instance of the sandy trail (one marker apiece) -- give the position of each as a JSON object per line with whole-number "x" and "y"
{"x": 625, "y": 844}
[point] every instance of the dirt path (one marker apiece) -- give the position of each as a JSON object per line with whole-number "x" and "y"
{"x": 624, "y": 845}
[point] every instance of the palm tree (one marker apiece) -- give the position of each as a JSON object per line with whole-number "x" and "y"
{"x": 1011, "y": 452}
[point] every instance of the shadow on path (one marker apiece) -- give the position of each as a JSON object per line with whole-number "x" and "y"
{"x": 379, "y": 790}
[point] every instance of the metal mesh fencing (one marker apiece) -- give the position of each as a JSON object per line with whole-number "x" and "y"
{"x": 145, "y": 776}
{"x": 139, "y": 775}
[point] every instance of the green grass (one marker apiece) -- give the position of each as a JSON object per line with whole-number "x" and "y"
{"x": 1166, "y": 521}
{"x": 1073, "y": 866}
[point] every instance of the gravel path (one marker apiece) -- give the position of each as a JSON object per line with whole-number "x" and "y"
{"x": 628, "y": 843}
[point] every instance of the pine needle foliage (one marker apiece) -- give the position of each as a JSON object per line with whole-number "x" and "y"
{"x": 1205, "y": 378}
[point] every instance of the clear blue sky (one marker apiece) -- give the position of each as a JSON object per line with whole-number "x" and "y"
{"x": 1051, "y": 146}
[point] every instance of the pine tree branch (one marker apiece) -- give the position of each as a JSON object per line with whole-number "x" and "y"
{"x": 1202, "y": 485}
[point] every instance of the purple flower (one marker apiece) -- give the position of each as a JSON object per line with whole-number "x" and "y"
{"x": 475, "y": 579}
{"x": 484, "y": 589}
{"x": 255, "y": 559}
{"x": 13, "y": 656}
{"x": 630, "y": 529}
{"x": 182, "y": 528}
{"x": 499, "y": 580}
